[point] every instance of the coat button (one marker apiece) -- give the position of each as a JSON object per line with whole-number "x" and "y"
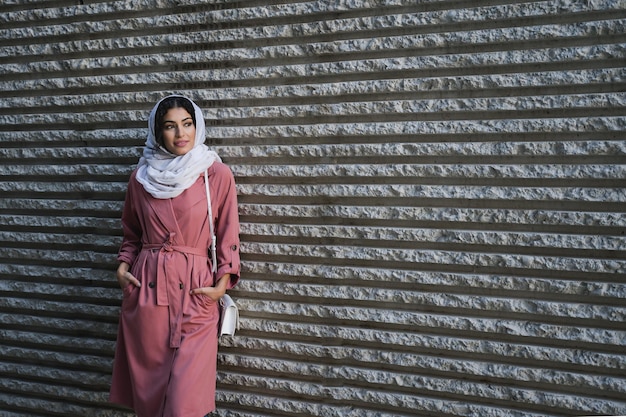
{"x": 181, "y": 285}
{"x": 151, "y": 285}
{"x": 234, "y": 247}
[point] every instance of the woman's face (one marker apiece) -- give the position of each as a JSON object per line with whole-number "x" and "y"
{"x": 179, "y": 132}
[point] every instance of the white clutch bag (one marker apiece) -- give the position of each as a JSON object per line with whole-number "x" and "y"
{"x": 229, "y": 316}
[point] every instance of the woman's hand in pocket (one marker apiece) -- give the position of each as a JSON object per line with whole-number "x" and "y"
{"x": 124, "y": 277}
{"x": 214, "y": 293}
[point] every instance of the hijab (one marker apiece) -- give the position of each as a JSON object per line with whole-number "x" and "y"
{"x": 165, "y": 175}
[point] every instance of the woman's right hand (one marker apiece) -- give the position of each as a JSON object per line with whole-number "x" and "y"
{"x": 124, "y": 277}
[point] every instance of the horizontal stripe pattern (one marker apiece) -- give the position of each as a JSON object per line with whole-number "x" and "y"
{"x": 431, "y": 193}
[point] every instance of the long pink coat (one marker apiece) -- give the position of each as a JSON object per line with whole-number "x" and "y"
{"x": 166, "y": 353}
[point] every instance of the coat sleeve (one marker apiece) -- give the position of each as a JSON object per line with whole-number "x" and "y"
{"x": 227, "y": 227}
{"x": 131, "y": 227}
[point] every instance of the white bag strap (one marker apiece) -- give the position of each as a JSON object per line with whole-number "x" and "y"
{"x": 213, "y": 238}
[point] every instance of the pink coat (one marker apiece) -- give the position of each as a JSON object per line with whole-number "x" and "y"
{"x": 166, "y": 353}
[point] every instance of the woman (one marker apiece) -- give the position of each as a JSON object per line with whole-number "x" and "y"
{"x": 166, "y": 354}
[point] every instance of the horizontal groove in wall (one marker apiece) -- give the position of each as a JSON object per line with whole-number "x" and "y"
{"x": 431, "y": 199}
{"x": 425, "y": 266}
{"x": 414, "y": 216}
{"x": 216, "y": 19}
{"x": 449, "y": 369}
{"x": 429, "y": 164}
{"x": 434, "y": 88}
{"x": 229, "y": 55}
{"x": 410, "y": 236}
{"x": 332, "y": 134}
{"x": 516, "y": 98}
{"x": 44, "y": 259}
{"x": 461, "y": 181}
{"x": 393, "y": 359}
{"x": 46, "y": 405}
{"x": 70, "y": 361}
{"x": 29, "y": 204}
{"x": 72, "y": 276}
{"x": 402, "y": 192}
{"x": 78, "y": 224}
{"x": 559, "y": 289}
{"x": 484, "y": 115}
{"x": 426, "y": 163}
{"x": 361, "y": 68}
{"x": 557, "y": 205}
{"x": 422, "y": 387}
{"x": 121, "y": 161}
{"x": 489, "y": 281}
{"x": 254, "y": 403}
{"x": 61, "y": 294}
{"x": 55, "y": 15}
{"x": 81, "y": 402}
{"x": 477, "y": 328}
{"x": 85, "y": 391}
{"x": 52, "y": 318}
{"x": 429, "y": 295}
{"x": 577, "y": 229}
{"x": 248, "y": 158}
{"x": 230, "y": 147}
{"x": 486, "y": 181}
{"x": 472, "y": 311}
{"x": 396, "y": 358}
{"x": 33, "y": 321}
{"x": 95, "y": 84}
{"x": 474, "y": 306}
{"x": 447, "y": 258}
{"x": 364, "y": 65}
{"x": 55, "y": 343}
{"x": 434, "y": 12}
{"x": 378, "y": 112}
{"x": 486, "y": 303}
{"x": 453, "y": 245}
{"x": 473, "y": 343}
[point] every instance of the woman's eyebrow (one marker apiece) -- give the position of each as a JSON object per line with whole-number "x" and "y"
{"x": 173, "y": 121}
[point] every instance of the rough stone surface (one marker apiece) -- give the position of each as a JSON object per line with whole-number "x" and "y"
{"x": 432, "y": 200}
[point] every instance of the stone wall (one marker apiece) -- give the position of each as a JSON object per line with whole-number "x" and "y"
{"x": 432, "y": 198}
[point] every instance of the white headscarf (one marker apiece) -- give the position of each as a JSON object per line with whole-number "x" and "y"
{"x": 165, "y": 175}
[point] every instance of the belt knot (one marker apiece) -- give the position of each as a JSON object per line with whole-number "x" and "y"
{"x": 168, "y": 245}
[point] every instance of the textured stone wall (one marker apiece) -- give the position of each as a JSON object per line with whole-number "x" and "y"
{"x": 432, "y": 198}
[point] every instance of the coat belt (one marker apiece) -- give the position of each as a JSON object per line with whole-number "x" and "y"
{"x": 166, "y": 250}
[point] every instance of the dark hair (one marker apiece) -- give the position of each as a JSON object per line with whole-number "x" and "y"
{"x": 164, "y": 107}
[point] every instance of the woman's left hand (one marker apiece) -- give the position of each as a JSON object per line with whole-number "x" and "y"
{"x": 214, "y": 293}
